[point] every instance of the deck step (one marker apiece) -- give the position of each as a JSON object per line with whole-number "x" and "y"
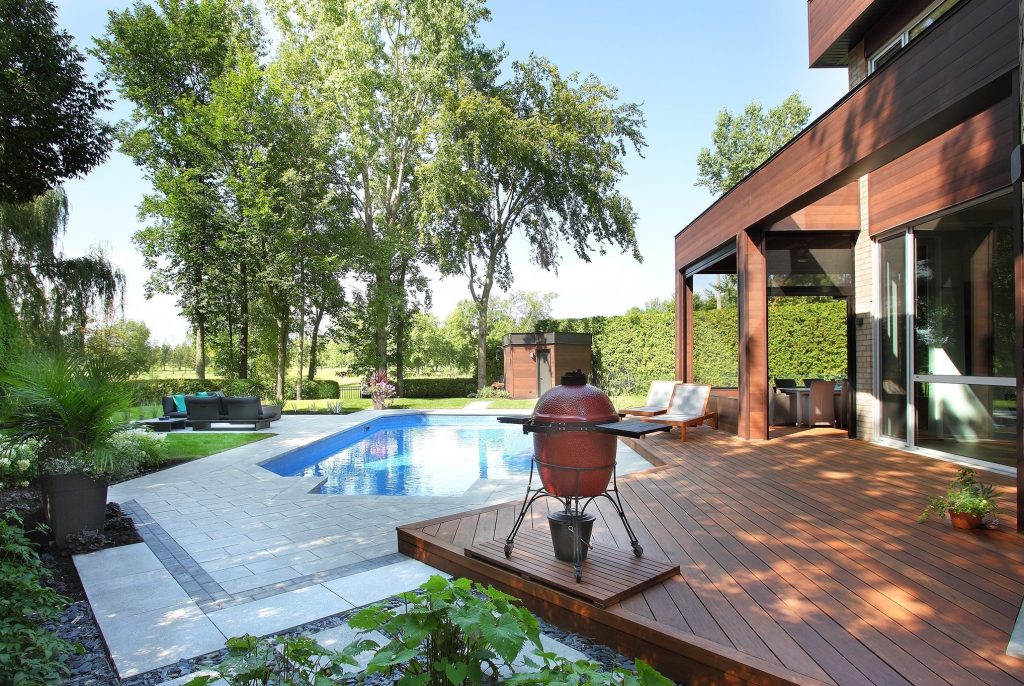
{"x": 609, "y": 574}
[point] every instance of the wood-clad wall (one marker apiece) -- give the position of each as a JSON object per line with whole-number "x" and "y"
{"x": 948, "y": 75}
{"x": 827, "y": 20}
{"x": 753, "y": 335}
{"x": 520, "y": 371}
{"x": 967, "y": 161}
{"x": 838, "y": 211}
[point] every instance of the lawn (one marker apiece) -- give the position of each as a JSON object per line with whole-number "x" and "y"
{"x": 179, "y": 447}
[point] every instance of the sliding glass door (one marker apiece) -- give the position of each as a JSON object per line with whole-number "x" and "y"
{"x": 893, "y": 329}
{"x": 964, "y": 379}
{"x": 945, "y": 335}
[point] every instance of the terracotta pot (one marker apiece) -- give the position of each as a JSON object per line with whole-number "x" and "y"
{"x": 575, "y": 463}
{"x": 962, "y": 520}
{"x": 72, "y": 503}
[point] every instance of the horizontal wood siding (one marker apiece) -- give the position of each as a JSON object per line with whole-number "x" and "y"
{"x": 520, "y": 371}
{"x": 828, "y": 20}
{"x": 726, "y": 402}
{"x": 948, "y": 75}
{"x": 840, "y": 210}
{"x": 967, "y": 161}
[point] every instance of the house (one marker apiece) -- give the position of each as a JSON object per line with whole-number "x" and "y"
{"x": 899, "y": 200}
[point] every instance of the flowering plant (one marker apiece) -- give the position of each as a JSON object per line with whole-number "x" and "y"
{"x": 18, "y": 467}
{"x": 382, "y": 391}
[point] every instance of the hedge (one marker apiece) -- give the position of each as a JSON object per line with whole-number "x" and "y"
{"x": 445, "y": 387}
{"x": 320, "y": 389}
{"x": 806, "y": 339}
{"x": 150, "y": 389}
{"x": 630, "y": 350}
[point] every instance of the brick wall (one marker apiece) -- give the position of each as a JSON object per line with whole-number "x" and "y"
{"x": 858, "y": 65}
{"x": 863, "y": 270}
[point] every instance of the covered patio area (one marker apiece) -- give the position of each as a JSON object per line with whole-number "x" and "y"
{"x": 801, "y": 561}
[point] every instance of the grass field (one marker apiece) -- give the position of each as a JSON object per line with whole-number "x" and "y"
{"x": 191, "y": 446}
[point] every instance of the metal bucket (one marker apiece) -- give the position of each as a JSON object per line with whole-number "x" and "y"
{"x": 562, "y": 525}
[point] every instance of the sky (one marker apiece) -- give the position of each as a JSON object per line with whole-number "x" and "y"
{"x": 681, "y": 60}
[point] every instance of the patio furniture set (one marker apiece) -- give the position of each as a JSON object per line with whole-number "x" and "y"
{"x": 201, "y": 411}
{"x": 818, "y": 402}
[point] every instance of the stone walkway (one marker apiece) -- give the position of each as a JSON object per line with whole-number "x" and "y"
{"x": 231, "y": 548}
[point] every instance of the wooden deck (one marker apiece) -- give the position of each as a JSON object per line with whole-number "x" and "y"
{"x": 801, "y": 562}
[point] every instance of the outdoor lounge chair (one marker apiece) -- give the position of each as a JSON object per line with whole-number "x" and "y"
{"x": 658, "y": 397}
{"x": 687, "y": 407}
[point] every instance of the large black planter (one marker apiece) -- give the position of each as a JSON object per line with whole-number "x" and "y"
{"x": 73, "y": 503}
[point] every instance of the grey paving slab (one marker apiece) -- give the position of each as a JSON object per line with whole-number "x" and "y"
{"x": 369, "y": 587}
{"x": 279, "y": 612}
{"x": 148, "y": 640}
{"x": 341, "y": 636}
{"x": 136, "y": 593}
{"x": 230, "y": 532}
{"x": 126, "y": 559}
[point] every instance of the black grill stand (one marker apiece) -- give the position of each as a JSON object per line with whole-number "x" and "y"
{"x": 572, "y": 504}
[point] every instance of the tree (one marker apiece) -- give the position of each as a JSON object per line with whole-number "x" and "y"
{"x": 540, "y": 155}
{"x": 194, "y": 42}
{"x": 379, "y": 70}
{"x": 49, "y": 130}
{"x": 740, "y": 143}
{"x": 123, "y": 343}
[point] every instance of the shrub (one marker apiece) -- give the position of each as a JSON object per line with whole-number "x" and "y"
{"x": 156, "y": 388}
{"x": 442, "y": 387}
{"x": 320, "y": 389}
{"x": 29, "y": 654}
{"x": 288, "y": 661}
{"x": 495, "y": 390}
{"x": 18, "y": 466}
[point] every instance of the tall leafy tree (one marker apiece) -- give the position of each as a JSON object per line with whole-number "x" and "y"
{"x": 379, "y": 69}
{"x": 540, "y": 155}
{"x": 740, "y": 143}
{"x": 50, "y": 131}
{"x": 166, "y": 59}
{"x": 49, "y": 125}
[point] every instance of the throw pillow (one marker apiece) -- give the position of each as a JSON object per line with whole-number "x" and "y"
{"x": 179, "y": 402}
{"x": 202, "y": 394}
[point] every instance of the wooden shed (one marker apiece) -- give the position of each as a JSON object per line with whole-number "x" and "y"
{"x": 534, "y": 362}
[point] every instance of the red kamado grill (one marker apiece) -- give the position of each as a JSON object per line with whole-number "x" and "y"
{"x": 574, "y": 429}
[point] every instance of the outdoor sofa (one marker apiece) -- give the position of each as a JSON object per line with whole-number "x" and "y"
{"x": 202, "y": 412}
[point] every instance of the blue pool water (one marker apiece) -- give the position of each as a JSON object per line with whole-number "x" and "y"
{"x": 423, "y": 455}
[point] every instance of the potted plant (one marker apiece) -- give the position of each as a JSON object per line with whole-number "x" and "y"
{"x": 967, "y": 501}
{"x": 380, "y": 388}
{"x": 70, "y": 411}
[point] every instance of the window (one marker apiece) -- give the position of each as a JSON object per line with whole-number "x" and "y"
{"x": 920, "y": 24}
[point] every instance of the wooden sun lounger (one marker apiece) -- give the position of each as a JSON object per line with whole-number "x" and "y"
{"x": 688, "y": 407}
{"x": 659, "y": 395}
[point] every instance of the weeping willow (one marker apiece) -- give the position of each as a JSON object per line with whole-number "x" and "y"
{"x": 51, "y": 296}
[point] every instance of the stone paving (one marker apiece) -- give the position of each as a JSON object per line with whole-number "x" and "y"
{"x": 232, "y": 548}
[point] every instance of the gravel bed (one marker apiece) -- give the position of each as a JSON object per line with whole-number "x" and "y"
{"x": 94, "y": 668}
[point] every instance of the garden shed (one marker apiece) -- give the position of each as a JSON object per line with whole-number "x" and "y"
{"x": 534, "y": 362}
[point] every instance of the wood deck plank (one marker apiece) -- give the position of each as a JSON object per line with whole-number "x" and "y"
{"x": 789, "y": 568}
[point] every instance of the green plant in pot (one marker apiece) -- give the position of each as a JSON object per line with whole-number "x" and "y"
{"x": 967, "y": 501}
{"x": 69, "y": 411}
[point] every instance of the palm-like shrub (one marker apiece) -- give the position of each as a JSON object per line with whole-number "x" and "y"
{"x": 68, "y": 408}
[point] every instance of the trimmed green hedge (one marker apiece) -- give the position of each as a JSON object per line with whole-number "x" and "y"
{"x": 805, "y": 340}
{"x": 150, "y": 389}
{"x": 716, "y": 358}
{"x": 320, "y": 389}
{"x": 447, "y": 387}
{"x": 630, "y": 350}
{"x": 9, "y": 332}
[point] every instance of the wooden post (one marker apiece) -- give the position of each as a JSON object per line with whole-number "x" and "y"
{"x": 684, "y": 328}
{"x": 753, "y": 334}
{"x": 1018, "y": 265}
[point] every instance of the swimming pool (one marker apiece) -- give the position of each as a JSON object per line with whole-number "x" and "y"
{"x": 412, "y": 454}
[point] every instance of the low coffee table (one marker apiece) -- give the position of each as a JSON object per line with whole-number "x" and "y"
{"x": 164, "y": 425}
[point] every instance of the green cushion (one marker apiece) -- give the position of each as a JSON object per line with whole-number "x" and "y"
{"x": 179, "y": 402}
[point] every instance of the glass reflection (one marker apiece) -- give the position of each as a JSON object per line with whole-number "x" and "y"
{"x": 970, "y": 420}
